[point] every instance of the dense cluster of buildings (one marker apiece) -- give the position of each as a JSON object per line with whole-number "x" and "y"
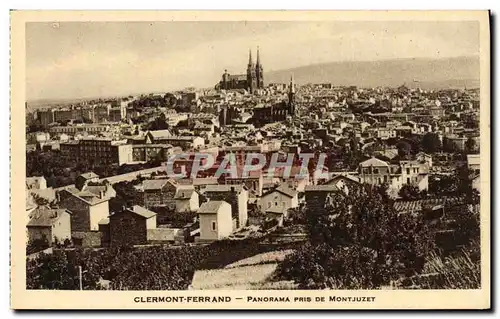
{"x": 360, "y": 129}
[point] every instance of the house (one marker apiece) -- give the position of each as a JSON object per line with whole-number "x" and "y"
{"x": 87, "y": 208}
{"x": 412, "y": 172}
{"x": 276, "y": 213}
{"x": 216, "y": 220}
{"x": 159, "y": 192}
{"x": 474, "y": 162}
{"x": 343, "y": 181}
{"x": 49, "y": 224}
{"x": 83, "y": 180}
{"x": 186, "y": 199}
{"x": 158, "y": 137}
{"x": 280, "y": 198}
{"x": 235, "y": 195}
{"x": 130, "y": 226}
{"x": 253, "y": 180}
{"x": 36, "y": 182}
{"x": 316, "y": 197}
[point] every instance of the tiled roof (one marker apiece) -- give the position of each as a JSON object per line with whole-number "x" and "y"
{"x": 89, "y": 175}
{"x": 373, "y": 162}
{"x": 160, "y": 134}
{"x": 45, "y": 216}
{"x": 152, "y": 184}
{"x": 184, "y": 192}
{"x": 139, "y": 210}
{"x": 223, "y": 188}
{"x": 211, "y": 207}
{"x": 283, "y": 189}
{"x": 321, "y": 188}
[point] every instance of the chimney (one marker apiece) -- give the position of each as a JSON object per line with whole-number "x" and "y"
{"x": 101, "y": 193}
{"x": 232, "y": 189}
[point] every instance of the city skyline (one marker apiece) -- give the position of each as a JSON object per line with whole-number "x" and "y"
{"x": 75, "y": 59}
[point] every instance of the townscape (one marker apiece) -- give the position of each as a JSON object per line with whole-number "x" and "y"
{"x": 394, "y": 205}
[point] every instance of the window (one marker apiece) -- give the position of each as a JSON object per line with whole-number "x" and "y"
{"x": 283, "y": 204}
{"x": 407, "y": 171}
{"x": 275, "y": 203}
{"x": 375, "y": 171}
{"x": 213, "y": 226}
{"x": 408, "y": 180}
{"x": 385, "y": 178}
{"x": 414, "y": 170}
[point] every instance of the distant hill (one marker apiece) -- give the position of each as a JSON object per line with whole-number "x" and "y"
{"x": 425, "y": 73}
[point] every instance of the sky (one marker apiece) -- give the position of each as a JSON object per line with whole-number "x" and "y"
{"x": 89, "y": 59}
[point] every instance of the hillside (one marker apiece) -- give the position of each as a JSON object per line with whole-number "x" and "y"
{"x": 425, "y": 73}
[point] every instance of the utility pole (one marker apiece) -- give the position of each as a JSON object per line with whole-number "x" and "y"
{"x": 80, "y": 277}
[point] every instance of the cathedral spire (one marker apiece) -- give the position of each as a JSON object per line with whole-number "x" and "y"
{"x": 258, "y": 57}
{"x": 250, "y": 62}
{"x": 292, "y": 86}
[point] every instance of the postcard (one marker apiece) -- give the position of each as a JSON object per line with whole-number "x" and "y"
{"x": 250, "y": 160}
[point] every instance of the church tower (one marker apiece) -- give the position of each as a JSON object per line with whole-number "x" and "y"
{"x": 291, "y": 97}
{"x": 259, "y": 72}
{"x": 251, "y": 76}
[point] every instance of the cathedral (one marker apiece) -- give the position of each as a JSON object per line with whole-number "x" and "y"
{"x": 253, "y": 80}
{"x": 276, "y": 112}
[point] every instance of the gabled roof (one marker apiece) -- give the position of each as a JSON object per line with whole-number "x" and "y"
{"x": 141, "y": 211}
{"x": 373, "y": 162}
{"x": 45, "y": 217}
{"x": 160, "y": 134}
{"x": 342, "y": 177}
{"x": 211, "y": 207}
{"x": 223, "y": 188}
{"x": 153, "y": 184}
{"x": 321, "y": 188}
{"x": 89, "y": 175}
{"x": 184, "y": 192}
{"x": 283, "y": 189}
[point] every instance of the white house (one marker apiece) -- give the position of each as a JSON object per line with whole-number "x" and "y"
{"x": 186, "y": 199}
{"x": 49, "y": 224}
{"x": 215, "y": 220}
{"x": 281, "y": 198}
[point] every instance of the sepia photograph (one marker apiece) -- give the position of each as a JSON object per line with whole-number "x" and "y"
{"x": 299, "y": 159}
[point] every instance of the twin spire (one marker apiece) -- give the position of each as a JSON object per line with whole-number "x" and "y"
{"x": 250, "y": 61}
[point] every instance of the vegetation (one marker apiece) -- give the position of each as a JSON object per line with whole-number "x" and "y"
{"x": 147, "y": 268}
{"x": 360, "y": 242}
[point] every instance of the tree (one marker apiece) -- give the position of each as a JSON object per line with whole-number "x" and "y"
{"x": 409, "y": 192}
{"x": 358, "y": 242}
{"x": 431, "y": 143}
{"x": 449, "y": 146}
{"x": 404, "y": 149}
{"x": 470, "y": 145}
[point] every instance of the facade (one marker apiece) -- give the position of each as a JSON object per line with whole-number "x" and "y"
{"x": 215, "y": 220}
{"x": 235, "y": 195}
{"x": 86, "y": 208}
{"x": 130, "y": 226}
{"x": 97, "y": 151}
{"x": 149, "y": 152}
{"x": 186, "y": 199}
{"x": 159, "y": 192}
{"x": 281, "y": 198}
{"x": 49, "y": 224}
{"x": 377, "y": 172}
{"x": 252, "y": 81}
